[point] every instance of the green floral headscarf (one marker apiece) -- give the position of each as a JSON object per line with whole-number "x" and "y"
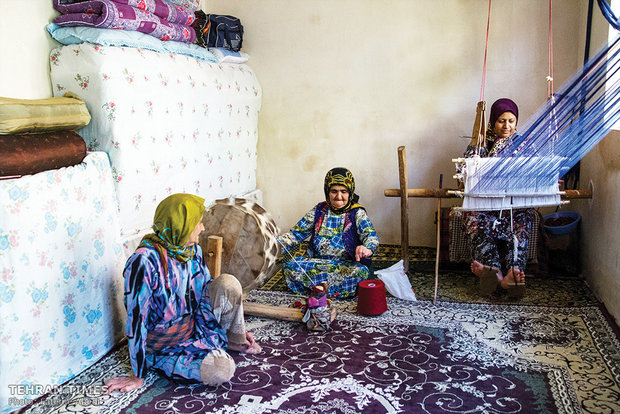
{"x": 175, "y": 219}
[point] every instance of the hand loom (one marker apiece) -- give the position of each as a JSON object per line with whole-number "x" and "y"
{"x": 525, "y": 172}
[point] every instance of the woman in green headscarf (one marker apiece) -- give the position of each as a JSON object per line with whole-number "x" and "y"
{"x": 341, "y": 241}
{"x": 180, "y": 321}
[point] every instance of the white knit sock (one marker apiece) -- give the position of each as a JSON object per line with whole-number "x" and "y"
{"x": 217, "y": 368}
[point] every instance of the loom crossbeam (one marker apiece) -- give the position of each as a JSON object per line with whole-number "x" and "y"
{"x": 565, "y": 195}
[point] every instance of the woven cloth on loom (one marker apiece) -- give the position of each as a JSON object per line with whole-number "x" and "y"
{"x": 459, "y": 246}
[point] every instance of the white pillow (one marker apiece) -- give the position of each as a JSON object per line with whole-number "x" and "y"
{"x": 228, "y": 56}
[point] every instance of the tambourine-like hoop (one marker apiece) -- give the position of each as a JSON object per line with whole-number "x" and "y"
{"x": 249, "y": 245}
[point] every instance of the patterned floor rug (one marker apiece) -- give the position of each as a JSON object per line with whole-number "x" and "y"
{"x": 416, "y": 357}
{"x": 457, "y": 284}
{"x": 554, "y": 351}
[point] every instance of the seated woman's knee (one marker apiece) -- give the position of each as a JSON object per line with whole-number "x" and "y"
{"x": 229, "y": 284}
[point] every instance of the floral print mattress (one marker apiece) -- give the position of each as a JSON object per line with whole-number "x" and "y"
{"x": 169, "y": 123}
{"x": 61, "y": 285}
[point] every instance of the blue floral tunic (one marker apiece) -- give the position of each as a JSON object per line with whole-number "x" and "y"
{"x": 170, "y": 322}
{"x": 328, "y": 261}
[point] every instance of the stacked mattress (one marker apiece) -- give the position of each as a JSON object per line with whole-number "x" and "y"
{"x": 169, "y": 123}
{"x": 60, "y": 264}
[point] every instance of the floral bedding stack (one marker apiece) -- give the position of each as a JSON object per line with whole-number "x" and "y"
{"x": 163, "y": 19}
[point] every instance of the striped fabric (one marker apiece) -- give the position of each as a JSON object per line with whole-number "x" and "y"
{"x": 181, "y": 331}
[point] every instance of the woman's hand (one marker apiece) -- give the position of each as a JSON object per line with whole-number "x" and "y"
{"x": 362, "y": 252}
{"x": 124, "y": 384}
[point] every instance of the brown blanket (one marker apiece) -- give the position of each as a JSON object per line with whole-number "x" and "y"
{"x": 23, "y": 154}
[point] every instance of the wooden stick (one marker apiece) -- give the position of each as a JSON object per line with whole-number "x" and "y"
{"x": 438, "y": 240}
{"x": 404, "y": 207}
{"x": 450, "y": 193}
{"x": 273, "y": 312}
{"x": 572, "y": 194}
{"x": 279, "y": 312}
{"x": 421, "y": 192}
{"x": 479, "y": 132}
{"x": 214, "y": 255}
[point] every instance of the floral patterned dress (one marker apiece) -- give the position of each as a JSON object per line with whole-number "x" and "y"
{"x": 498, "y": 238}
{"x": 328, "y": 259}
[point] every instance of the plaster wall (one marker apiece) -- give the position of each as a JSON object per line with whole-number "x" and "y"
{"x": 600, "y": 227}
{"x": 345, "y": 83}
{"x": 25, "y": 48}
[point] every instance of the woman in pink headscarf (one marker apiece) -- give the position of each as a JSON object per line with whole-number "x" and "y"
{"x": 498, "y": 243}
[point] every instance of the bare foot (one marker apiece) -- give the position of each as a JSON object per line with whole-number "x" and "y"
{"x": 476, "y": 268}
{"x": 123, "y": 384}
{"x": 513, "y": 277}
{"x": 250, "y": 346}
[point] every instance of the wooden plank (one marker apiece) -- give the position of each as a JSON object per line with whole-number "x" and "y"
{"x": 272, "y": 312}
{"x": 404, "y": 207}
{"x": 214, "y": 255}
{"x": 438, "y": 241}
{"x": 478, "y": 134}
{"x": 447, "y": 193}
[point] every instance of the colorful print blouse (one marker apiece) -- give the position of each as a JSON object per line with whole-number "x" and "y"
{"x": 158, "y": 305}
{"x": 328, "y": 243}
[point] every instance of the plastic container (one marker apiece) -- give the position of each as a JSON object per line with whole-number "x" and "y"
{"x": 562, "y": 216}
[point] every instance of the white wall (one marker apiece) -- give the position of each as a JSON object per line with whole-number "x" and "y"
{"x": 600, "y": 226}
{"x": 347, "y": 82}
{"x": 25, "y": 48}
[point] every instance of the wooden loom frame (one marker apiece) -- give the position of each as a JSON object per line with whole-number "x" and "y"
{"x": 404, "y": 193}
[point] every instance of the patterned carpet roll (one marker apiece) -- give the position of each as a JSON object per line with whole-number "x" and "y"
{"x": 23, "y": 154}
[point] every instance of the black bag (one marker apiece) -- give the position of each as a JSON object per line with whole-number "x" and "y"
{"x": 216, "y": 30}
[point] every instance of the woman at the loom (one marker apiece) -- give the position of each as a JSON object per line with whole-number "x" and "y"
{"x": 499, "y": 250}
{"x": 180, "y": 321}
{"x": 342, "y": 240}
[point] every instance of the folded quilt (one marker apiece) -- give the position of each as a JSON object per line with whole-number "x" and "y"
{"x": 25, "y": 154}
{"x": 188, "y": 4}
{"x": 108, "y": 37}
{"x": 121, "y": 14}
{"x": 169, "y": 12}
{"x": 42, "y": 115}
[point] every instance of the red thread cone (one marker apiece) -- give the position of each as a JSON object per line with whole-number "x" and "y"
{"x": 371, "y": 298}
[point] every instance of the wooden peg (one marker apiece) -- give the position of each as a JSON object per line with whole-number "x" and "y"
{"x": 214, "y": 255}
{"x": 479, "y": 132}
{"x": 404, "y": 207}
{"x": 438, "y": 240}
